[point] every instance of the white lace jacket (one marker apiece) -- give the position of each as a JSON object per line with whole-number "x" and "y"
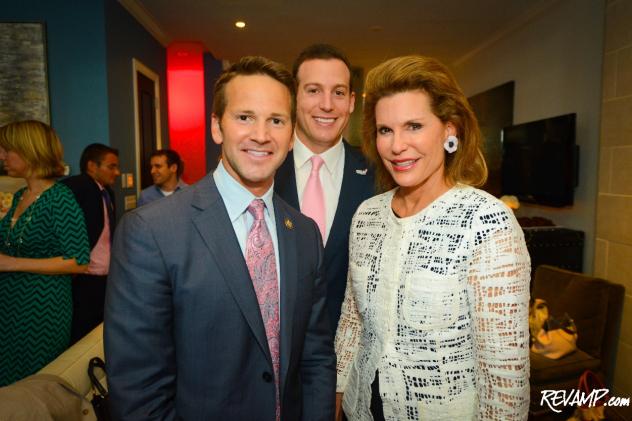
{"x": 438, "y": 303}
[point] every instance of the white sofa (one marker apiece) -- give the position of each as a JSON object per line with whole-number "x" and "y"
{"x": 59, "y": 391}
{"x": 72, "y": 365}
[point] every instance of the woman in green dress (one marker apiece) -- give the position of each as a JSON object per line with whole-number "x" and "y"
{"x": 43, "y": 241}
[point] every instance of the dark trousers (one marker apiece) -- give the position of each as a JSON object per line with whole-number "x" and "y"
{"x": 88, "y": 300}
{"x": 377, "y": 410}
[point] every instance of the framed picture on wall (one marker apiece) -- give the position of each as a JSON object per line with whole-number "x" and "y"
{"x": 23, "y": 74}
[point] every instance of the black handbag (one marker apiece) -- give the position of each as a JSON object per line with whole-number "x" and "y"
{"x": 100, "y": 399}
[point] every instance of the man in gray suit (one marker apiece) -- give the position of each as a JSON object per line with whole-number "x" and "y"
{"x": 200, "y": 324}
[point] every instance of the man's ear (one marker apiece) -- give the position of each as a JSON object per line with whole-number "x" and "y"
{"x": 216, "y": 129}
{"x": 352, "y": 102}
{"x": 91, "y": 167}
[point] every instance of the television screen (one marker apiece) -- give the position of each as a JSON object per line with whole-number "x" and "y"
{"x": 540, "y": 161}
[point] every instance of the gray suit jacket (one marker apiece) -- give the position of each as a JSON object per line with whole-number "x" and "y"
{"x": 184, "y": 337}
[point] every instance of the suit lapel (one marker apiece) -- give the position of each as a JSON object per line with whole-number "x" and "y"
{"x": 286, "y": 236}
{"x": 285, "y": 182}
{"x": 216, "y": 230}
{"x": 111, "y": 208}
{"x": 352, "y": 183}
{"x": 96, "y": 205}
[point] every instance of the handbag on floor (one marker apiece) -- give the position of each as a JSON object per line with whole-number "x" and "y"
{"x": 100, "y": 398}
{"x": 552, "y": 337}
{"x": 587, "y": 383}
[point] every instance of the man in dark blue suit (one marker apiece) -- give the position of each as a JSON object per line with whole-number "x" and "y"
{"x": 92, "y": 188}
{"x": 215, "y": 305}
{"x": 323, "y": 163}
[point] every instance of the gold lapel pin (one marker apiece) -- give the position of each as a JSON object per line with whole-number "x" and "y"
{"x": 289, "y": 224}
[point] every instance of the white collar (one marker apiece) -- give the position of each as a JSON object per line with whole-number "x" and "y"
{"x": 331, "y": 156}
{"x": 235, "y": 196}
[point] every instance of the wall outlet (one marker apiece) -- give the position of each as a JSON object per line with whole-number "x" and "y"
{"x": 127, "y": 180}
{"x": 130, "y": 202}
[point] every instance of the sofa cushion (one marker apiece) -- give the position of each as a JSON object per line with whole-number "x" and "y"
{"x": 72, "y": 364}
{"x": 43, "y": 397}
{"x": 546, "y": 370}
{"x": 584, "y": 298}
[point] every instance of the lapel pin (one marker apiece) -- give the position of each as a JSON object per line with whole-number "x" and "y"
{"x": 289, "y": 224}
{"x": 362, "y": 172}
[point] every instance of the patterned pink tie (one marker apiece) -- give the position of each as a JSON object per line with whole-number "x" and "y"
{"x": 261, "y": 263}
{"x": 313, "y": 196}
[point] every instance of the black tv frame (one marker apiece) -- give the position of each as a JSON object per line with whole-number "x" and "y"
{"x": 541, "y": 161}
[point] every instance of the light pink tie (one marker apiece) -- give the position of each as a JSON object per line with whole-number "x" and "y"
{"x": 261, "y": 263}
{"x": 313, "y": 196}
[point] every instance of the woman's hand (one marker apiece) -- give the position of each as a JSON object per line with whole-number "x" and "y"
{"x": 48, "y": 266}
{"x": 6, "y": 263}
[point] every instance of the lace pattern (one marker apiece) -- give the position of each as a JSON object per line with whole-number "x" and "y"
{"x": 438, "y": 303}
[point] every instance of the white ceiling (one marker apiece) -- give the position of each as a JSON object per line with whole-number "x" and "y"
{"x": 368, "y": 31}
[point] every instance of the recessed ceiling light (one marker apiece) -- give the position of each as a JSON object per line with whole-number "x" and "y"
{"x": 240, "y": 24}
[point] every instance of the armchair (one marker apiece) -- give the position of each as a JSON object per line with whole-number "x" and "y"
{"x": 596, "y": 305}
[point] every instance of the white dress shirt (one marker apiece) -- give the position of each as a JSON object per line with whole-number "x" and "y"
{"x": 331, "y": 174}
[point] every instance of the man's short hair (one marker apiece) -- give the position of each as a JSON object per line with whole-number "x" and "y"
{"x": 322, "y": 52}
{"x": 94, "y": 152}
{"x": 250, "y": 66}
{"x": 172, "y": 158}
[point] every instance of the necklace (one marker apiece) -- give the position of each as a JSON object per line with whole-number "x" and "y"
{"x": 17, "y": 242}
{"x": 36, "y": 197}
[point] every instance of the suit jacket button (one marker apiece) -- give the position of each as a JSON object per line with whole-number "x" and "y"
{"x": 267, "y": 377}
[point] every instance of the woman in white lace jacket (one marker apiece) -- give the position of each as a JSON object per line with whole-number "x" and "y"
{"x": 434, "y": 324}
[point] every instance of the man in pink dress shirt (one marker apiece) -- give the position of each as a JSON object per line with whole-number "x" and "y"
{"x": 93, "y": 190}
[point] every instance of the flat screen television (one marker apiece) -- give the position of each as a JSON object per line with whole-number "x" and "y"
{"x": 540, "y": 161}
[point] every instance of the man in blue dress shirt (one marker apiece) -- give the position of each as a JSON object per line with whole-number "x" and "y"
{"x": 166, "y": 171}
{"x": 216, "y": 304}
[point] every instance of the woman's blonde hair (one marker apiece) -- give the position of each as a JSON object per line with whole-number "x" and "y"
{"x": 37, "y": 144}
{"x": 428, "y": 75}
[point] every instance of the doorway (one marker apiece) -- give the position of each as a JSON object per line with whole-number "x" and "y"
{"x": 146, "y": 120}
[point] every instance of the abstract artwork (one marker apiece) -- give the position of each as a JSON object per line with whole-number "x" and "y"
{"x": 23, "y": 73}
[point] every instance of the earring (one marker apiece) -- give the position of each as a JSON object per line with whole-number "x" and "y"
{"x": 451, "y": 143}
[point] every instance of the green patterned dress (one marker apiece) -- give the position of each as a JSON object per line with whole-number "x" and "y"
{"x": 36, "y": 310}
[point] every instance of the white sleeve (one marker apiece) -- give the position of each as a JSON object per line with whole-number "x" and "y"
{"x": 349, "y": 327}
{"x": 498, "y": 289}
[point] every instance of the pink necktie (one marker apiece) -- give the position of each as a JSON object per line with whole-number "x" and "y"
{"x": 261, "y": 263}
{"x": 313, "y": 196}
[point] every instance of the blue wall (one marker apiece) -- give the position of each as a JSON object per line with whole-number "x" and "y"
{"x": 90, "y": 46}
{"x": 127, "y": 39}
{"x": 75, "y": 36}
